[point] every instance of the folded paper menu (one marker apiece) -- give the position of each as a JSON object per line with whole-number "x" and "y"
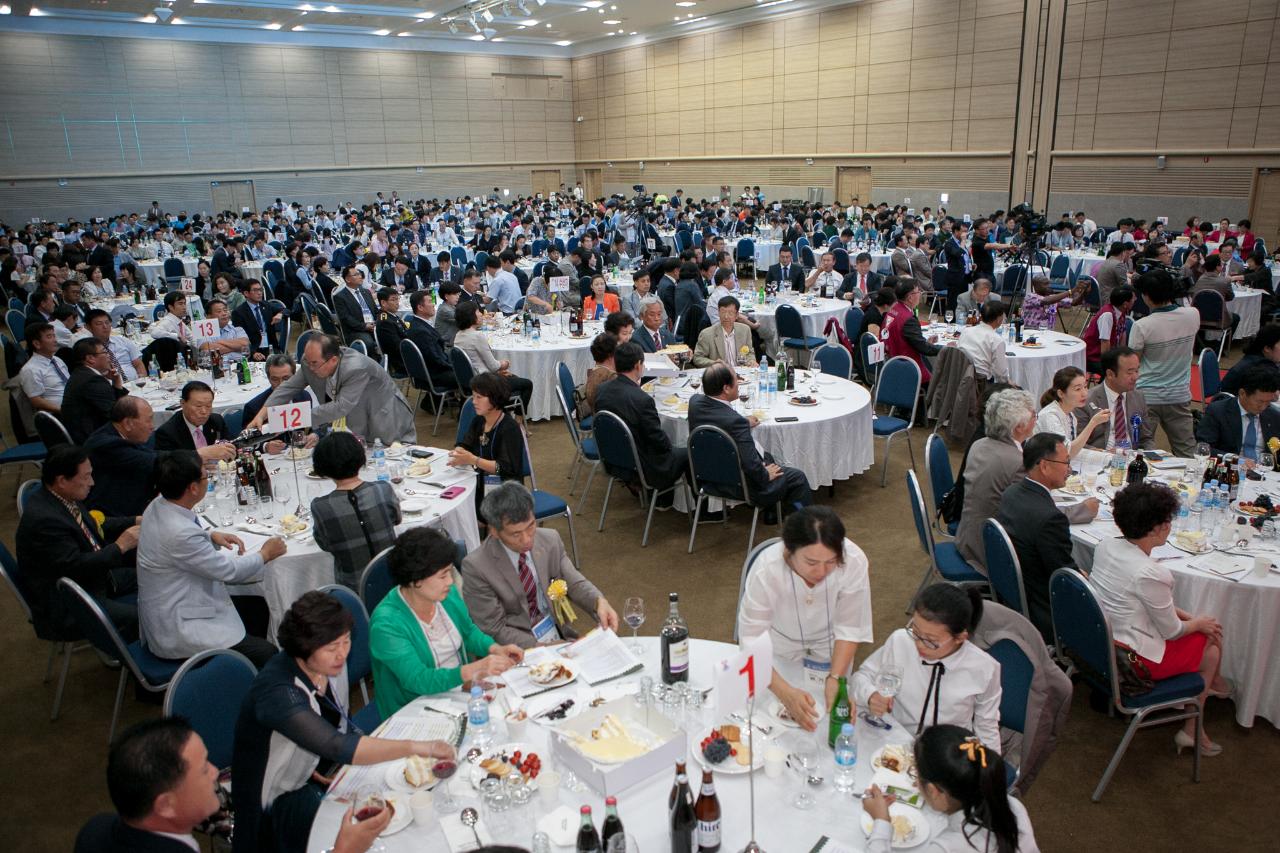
{"x": 1224, "y": 565}
{"x": 435, "y": 725}
{"x": 602, "y": 656}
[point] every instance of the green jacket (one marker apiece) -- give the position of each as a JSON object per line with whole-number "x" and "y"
{"x": 403, "y": 666}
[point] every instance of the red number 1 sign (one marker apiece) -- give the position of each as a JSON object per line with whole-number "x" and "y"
{"x": 740, "y": 675}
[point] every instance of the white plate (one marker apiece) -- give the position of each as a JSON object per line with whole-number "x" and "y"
{"x": 556, "y": 682}
{"x": 544, "y": 702}
{"x": 395, "y": 780}
{"x": 919, "y": 826}
{"x": 400, "y": 818}
{"x": 413, "y": 505}
{"x": 478, "y": 773}
{"x": 777, "y": 711}
{"x": 907, "y": 772}
{"x": 730, "y": 765}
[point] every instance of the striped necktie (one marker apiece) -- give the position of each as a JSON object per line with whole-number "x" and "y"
{"x": 530, "y": 588}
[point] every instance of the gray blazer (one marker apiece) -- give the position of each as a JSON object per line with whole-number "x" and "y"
{"x": 365, "y": 395}
{"x": 496, "y": 599}
{"x": 1134, "y": 404}
{"x": 183, "y": 604}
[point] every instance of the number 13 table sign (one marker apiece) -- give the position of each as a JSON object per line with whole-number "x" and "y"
{"x": 737, "y": 681}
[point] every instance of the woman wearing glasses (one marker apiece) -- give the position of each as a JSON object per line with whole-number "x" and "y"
{"x": 944, "y": 678}
{"x": 810, "y": 592}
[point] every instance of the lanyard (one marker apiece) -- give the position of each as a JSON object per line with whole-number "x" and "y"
{"x": 324, "y": 697}
{"x": 934, "y": 690}
{"x": 800, "y": 623}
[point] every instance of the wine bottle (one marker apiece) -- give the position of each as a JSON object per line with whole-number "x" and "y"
{"x": 588, "y": 838}
{"x": 675, "y": 645}
{"x": 684, "y": 823}
{"x": 261, "y": 477}
{"x": 612, "y": 823}
{"x": 1137, "y": 470}
{"x": 707, "y": 812}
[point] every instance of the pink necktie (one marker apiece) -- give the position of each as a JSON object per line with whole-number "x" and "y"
{"x": 197, "y": 435}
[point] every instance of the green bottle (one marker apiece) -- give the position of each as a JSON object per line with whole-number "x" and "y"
{"x": 839, "y": 712}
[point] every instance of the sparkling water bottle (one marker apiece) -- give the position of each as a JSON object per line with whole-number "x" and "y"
{"x": 478, "y": 719}
{"x": 846, "y": 755}
{"x": 380, "y": 461}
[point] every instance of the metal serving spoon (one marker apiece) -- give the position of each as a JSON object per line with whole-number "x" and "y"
{"x": 469, "y": 819}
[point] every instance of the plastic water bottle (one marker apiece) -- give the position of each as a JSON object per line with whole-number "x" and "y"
{"x": 1210, "y": 496}
{"x": 773, "y": 384}
{"x": 182, "y": 363}
{"x": 1196, "y": 521}
{"x": 1183, "y": 521}
{"x": 380, "y": 461}
{"x": 478, "y": 718}
{"x": 762, "y": 383}
{"x": 1224, "y": 504}
{"x": 846, "y": 755}
{"x": 153, "y": 370}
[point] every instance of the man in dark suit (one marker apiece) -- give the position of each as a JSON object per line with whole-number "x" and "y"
{"x": 1243, "y": 424}
{"x": 123, "y": 454}
{"x": 861, "y": 279}
{"x": 257, "y": 318}
{"x": 91, "y": 391}
{"x": 429, "y": 343}
{"x": 400, "y": 275}
{"x": 652, "y": 334}
{"x": 103, "y": 257}
{"x": 959, "y": 264}
{"x": 1039, "y": 531}
{"x": 390, "y": 329}
{"x": 356, "y": 311}
{"x": 223, "y": 260}
{"x": 196, "y": 427}
{"x": 786, "y": 274}
{"x": 57, "y": 538}
{"x": 663, "y": 463}
{"x": 1118, "y": 393}
{"x": 445, "y": 270}
{"x": 769, "y": 483}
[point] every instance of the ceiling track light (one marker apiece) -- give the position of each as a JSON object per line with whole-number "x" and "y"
{"x": 453, "y": 28}
{"x": 487, "y": 15}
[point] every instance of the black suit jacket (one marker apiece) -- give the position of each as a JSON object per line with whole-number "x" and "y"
{"x": 956, "y": 278}
{"x": 793, "y": 279}
{"x": 350, "y": 317}
{"x": 628, "y": 401}
{"x": 644, "y": 337}
{"x": 122, "y": 472}
{"x": 1041, "y": 537}
{"x": 431, "y": 345}
{"x": 1222, "y": 427}
{"x": 51, "y": 546}
{"x": 173, "y": 434}
{"x": 107, "y": 833}
{"x": 222, "y": 262}
{"x": 244, "y": 318}
{"x": 389, "y": 332}
{"x": 410, "y": 279}
{"x": 102, "y": 258}
{"x": 87, "y": 402}
{"x": 874, "y": 282}
{"x": 704, "y": 410}
{"x": 454, "y": 275}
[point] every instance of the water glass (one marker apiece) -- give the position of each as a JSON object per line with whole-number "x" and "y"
{"x": 226, "y": 506}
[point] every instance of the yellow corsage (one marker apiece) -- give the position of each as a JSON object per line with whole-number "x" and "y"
{"x": 558, "y": 592}
{"x": 98, "y": 518}
{"x": 744, "y": 350}
{"x": 1273, "y": 444}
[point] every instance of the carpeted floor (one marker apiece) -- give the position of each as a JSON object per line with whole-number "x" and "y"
{"x": 52, "y": 774}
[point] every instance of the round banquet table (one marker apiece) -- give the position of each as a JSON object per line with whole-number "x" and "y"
{"x": 120, "y": 306}
{"x": 1247, "y": 606}
{"x": 643, "y": 807}
{"x": 830, "y": 441}
{"x": 814, "y": 312}
{"x": 1248, "y": 307}
{"x": 536, "y": 361}
{"x": 881, "y": 261}
{"x": 153, "y": 269}
{"x": 305, "y": 567}
{"x": 1033, "y": 368}
{"x": 227, "y": 393}
{"x": 766, "y": 252}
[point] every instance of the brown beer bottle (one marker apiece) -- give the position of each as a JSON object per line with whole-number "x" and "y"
{"x": 707, "y": 811}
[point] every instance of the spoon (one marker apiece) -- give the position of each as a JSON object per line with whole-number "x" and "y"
{"x": 473, "y": 754}
{"x": 469, "y": 819}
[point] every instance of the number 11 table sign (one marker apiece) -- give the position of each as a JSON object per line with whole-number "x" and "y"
{"x": 737, "y": 680}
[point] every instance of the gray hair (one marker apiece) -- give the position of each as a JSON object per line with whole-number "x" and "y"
{"x": 279, "y": 359}
{"x": 509, "y": 503}
{"x": 648, "y": 302}
{"x": 1006, "y": 410}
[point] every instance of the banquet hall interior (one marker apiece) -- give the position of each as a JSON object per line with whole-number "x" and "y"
{"x": 324, "y": 159}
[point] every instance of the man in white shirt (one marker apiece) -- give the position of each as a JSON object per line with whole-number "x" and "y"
{"x": 504, "y": 287}
{"x": 231, "y": 338}
{"x": 985, "y": 348}
{"x": 44, "y": 376}
{"x": 1121, "y": 234}
{"x": 1087, "y": 224}
{"x": 126, "y": 357}
{"x": 173, "y": 325}
{"x": 824, "y": 275}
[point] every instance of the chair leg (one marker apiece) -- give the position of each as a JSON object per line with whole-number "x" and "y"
{"x": 1115, "y": 759}
{"x": 605, "y": 507}
{"x": 1195, "y": 751}
{"x": 62, "y": 681}
{"x": 573, "y": 537}
{"x": 751, "y": 537}
{"x": 48, "y": 667}
{"x": 437, "y": 404}
{"x": 573, "y": 472}
{"x": 653, "y": 502}
{"x": 884, "y": 471}
{"x": 115, "y": 712}
{"x": 364, "y": 691}
{"x": 697, "y": 513}
{"x": 587, "y": 488}
{"x": 910, "y": 451}
{"x": 924, "y": 581}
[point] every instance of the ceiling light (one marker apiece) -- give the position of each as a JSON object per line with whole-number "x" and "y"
{"x": 632, "y": 33}
{"x": 306, "y": 7}
{"x": 477, "y": 37}
{"x": 499, "y": 38}
{"x": 564, "y": 42}
{"x": 302, "y": 13}
{"x": 426, "y": 16}
{"x": 5, "y": 10}
{"x": 772, "y": 3}
{"x": 685, "y": 4}
{"x": 382, "y": 32}
{"x": 402, "y": 35}
{"x": 149, "y": 19}
{"x": 531, "y": 23}
{"x": 272, "y": 27}
{"x": 333, "y": 10}
{"x": 487, "y": 15}
{"x": 693, "y": 20}
{"x": 177, "y": 22}
{"x": 548, "y": 26}
{"x": 297, "y": 28}
{"x": 35, "y": 13}
{"x": 613, "y": 7}
{"x": 453, "y": 28}
{"x": 542, "y": 2}
{"x": 612, "y": 21}
{"x": 593, "y": 4}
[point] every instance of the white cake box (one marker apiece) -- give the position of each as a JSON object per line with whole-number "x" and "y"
{"x": 612, "y": 779}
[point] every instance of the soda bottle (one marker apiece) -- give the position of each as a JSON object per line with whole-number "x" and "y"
{"x": 839, "y": 712}
{"x": 588, "y": 838}
{"x": 684, "y": 823}
{"x": 612, "y": 823}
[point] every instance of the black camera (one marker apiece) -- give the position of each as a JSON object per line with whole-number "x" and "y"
{"x": 1031, "y": 225}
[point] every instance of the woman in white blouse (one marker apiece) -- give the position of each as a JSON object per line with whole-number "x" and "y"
{"x": 97, "y": 287}
{"x": 1137, "y": 594}
{"x": 944, "y": 677}
{"x": 963, "y": 779}
{"x": 810, "y": 592}
{"x": 1068, "y": 392}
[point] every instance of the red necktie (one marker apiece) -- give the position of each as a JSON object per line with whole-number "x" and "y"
{"x": 657, "y": 342}
{"x": 1121, "y": 425}
{"x": 530, "y": 588}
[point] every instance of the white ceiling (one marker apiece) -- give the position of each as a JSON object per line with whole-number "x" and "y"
{"x": 556, "y": 27}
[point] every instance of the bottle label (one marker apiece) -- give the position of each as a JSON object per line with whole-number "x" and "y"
{"x": 678, "y": 653}
{"x": 709, "y": 833}
{"x": 845, "y": 757}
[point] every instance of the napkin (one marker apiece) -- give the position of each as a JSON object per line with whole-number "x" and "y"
{"x": 561, "y": 826}
{"x": 459, "y": 836}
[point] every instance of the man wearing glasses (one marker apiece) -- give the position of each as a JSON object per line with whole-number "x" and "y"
{"x": 1039, "y": 531}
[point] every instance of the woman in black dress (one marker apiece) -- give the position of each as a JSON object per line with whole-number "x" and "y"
{"x": 494, "y": 443}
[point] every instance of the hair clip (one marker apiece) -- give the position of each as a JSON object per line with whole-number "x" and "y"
{"x": 973, "y": 748}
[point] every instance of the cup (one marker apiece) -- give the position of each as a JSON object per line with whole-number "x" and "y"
{"x": 549, "y": 788}
{"x": 1261, "y": 566}
{"x": 516, "y": 727}
{"x": 422, "y": 804}
{"x": 775, "y": 760}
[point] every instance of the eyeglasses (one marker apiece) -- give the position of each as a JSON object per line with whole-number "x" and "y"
{"x": 1057, "y": 461}
{"x": 924, "y": 641}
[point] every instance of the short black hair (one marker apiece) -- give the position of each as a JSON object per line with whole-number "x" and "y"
{"x": 464, "y": 315}
{"x": 172, "y": 297}
{"x": 449, "y": 288}
{"x": 1040, "y": 446}
{"x": 1259, "y": 377}
{"x": 1141, "y": 507}
{"x": 312, "y": 622}
{"x": 84, "y": 348}
{"x": 419, "y": 553}
{"x": 1121, "y": 295}
{"x": 176, "y": 471}
{"x": 992, "y": 310}
{"x": 904, "y": 288}
{"x": 603, "y": 346}
{"x": 491, "y": 262}
{"x": 627, "y": 356}
{"x": 958, "y": 608}
{"x": 1110, "y": 361}
{"x": 1268, "y": 336}
{"x": 35, "y": 331}
{"x": 338, "y": 456}
{"x": 417, "y": 298}
{"x": 194, "y": 386}
{"x": 386, "y": 293}
{"x": 492, "y": 386}
{"x": 145, "y": 762}
{"x": 814, "y": 525}
{"x": 63, "y": 461}
{"x": 617, "y": 321}
{"x": 1157, "y": 286}
{"x": 726, "y": 301}
{"x": 717, "y": 377}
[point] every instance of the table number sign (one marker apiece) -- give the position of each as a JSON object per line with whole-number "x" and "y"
{"x": 740, "y": 677}
{"x": 204, "y": 330}
{"x": 875, "y": 353}
{"x": 558, "y": 284}
{"x": 187, "y": 284}
{"x": 290, "y": 416}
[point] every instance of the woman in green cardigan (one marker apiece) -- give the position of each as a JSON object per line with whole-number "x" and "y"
{"x": 421, "y": 637}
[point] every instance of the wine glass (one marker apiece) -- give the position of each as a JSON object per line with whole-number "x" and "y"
{"x": 888, "y": 680}
{"x": 1202, "y": 454}
{"x": 951, "y": 316}
{"x": 805, "y": 756}
{"x": 1266, "y": 461}
{"x": 633, "y": 615}
{"x": 369, "y": 803}
{"x": 444, "y": 770}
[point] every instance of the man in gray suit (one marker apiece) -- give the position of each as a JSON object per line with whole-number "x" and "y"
{"x": 348, "y": 385}
{"x": 1118, "y": 393}
{"x": 184, "y": 607}
{"x": 1115, "y": 270}
{"x": 506, "y": 580}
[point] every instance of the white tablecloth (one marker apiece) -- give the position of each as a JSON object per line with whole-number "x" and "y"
{"x": 643, "y": 807}
{"x": 881, "y": 261}
{"x": 153, "y": 270}
{"x": 1248, "y": 307}
{"x": 537, "y": 363}
{"x": 1249, "y": 610}
{"x": 766, "y": 252}
{"x": 831, "y": 441}
{"x": 1032, "y": 369}
{"x": 305, "y": 567}
{"x": 813, "y": 314}
{"x": 227, "y": 394}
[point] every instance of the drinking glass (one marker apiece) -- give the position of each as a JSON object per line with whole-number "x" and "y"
{"x": 226, "y": 505}
{"x": 1266, "y": 461}
{"x": 1202, "y": 454}
{"x": 805, "y": 756}
{"x": 933, "y": 318}
{"x": 633, "y": 615}
{"x": 369, "y": 803}
{"x": 444, "y": 771}
{"x": 951, "y": 316}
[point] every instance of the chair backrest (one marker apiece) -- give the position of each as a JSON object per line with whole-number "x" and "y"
{"x": 375, "y": 581}
{"x": 157, "y": 312}
{"x": 174, "y": 268}
{"x": 1016, "y": 673}
{"x": 1081, "y": 629}
{"x": 1061, "y": 264}
{"x": 617, "y": 445}
{"x": 788, "y": 322}
{"x": 747, "y": 565}
{"x": 51, "y": 430}
{"x": 462, "y": 368}
{"x": 327, "y": 324}
{"x": 869, "y": 371}
{"x": 17, "y": 323}
{"x": 1093, "y": 296}
{"x": 164, "y": 351}
{"x": 234, "y": 419}
{"x": 302, "y": 343}
{"x": 937, "y": 467}
{"x": 807, "y": 260}
{"x": 16, "y": 303}
{"x": 919, "y": 515}
{"x": 466, "y": 415}
{"x": 360, "y": 660}
{"x": 94, "y": 626}
{"x": 283, "y": 325}
{"x": 481, "y": 259}
{"x": 570, "y": 422}
{"x": 715, "y": 465}
{"x": 414, "y": 364}
{"x": 25, "y": 493}
{"x": 359, "y": 346}
{"x": 1210, "y": 377}
{"x": 853, "y": 318}
{"x": 939, "y": 275}
{"x": 899, "y": 384}
{"x": 1041, "y": 258}
{"x": 1013, "y": 280}
{"x": 208, "y": 690}
{"x": 834, "y": 360}
{"x": 1180, "y": 255}
{"x": 1210, "y": 305}
{"x": 842, "y": 260}
{"x": 565, "y": 377}
{"x": 12, "y": 575}
{"x": 745, "y": 250}
{"x": 1003, "y": 569}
